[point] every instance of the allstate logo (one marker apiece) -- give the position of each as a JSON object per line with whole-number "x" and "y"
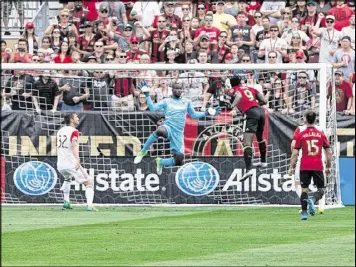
{"x": 197, "y": 178}
{"x": 35, "y": 178}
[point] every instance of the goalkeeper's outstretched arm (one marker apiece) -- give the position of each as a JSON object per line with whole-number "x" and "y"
{"x": 154, "y": 107}
{"x": 197, "y": 115}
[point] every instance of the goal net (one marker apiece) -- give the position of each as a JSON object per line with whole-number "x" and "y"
{"x": 115, "y": 122}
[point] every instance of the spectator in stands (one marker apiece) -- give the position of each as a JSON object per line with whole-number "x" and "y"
{"x": 344, "y": 58}
{"x": 99, "y": 90}
{"x": 186, "y": 33}
{"x": 134, "y": 52}
{"x": 231, "y": 8}
{"x": 118, "y": 11}
{"x": 329, "y": 39}
{"x": 273, "y": 44}
{"x": 5, "y": 56}
{"x": 87, "y": 39}
{"x": 323, "y": 7}
{"x": 285, "y": 23}
{"x": 141, "y": 103}
{"x": 275, "y": 96}
{"x": 350, "y": 31}
{"x": 208, "y": 30}
{"x": 311, "y": 18}
{"x": 31, "y": 38}
{"x": 46, "y": 90}
{"x": 241, "y": 34}
{"x": 46, "y": 48}
{"x": 201, "y": 11}
{"x": 234, "y": 52}
{"x": 221, "y": 48}
{"x": 272, "y": 9}
{"x": 188, "y": 52}
{"x": 301, "y": 95}
{"x": 78, "y": 15}
{"x": 21, "y": 54}
{"x": 301, "y": 10}
{"x": 56, "y": 40}
{"x": 171, "y": 42}
{"x": 287, "y": 35}
{"x": 145, "y": 13}
{"x": 6, "y": 6}
{"x": 74, "y": 91}
{"x": 313, "y": 46}
{"x": 4, "y": 103}
{"x": 342, "y": 14}
{"x": 64, "y": 54}
{"x": 104, "y": 11}
{"x": 258, "y": 23}
{"x": 173, "y": 22}
{"x": 296, "y": 45}
{"x": 186, "y": 10}
{"x": 19, "y": 88}
{"x": 260, "y": 36}
{"x": 343, "y": 94}
{"x": 63, "y": 25}
{"x": 163, "y": 90}
{"x": 221, "y": 20}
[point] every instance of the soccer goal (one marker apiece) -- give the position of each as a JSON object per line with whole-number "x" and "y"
{"x": 115, "y": 123}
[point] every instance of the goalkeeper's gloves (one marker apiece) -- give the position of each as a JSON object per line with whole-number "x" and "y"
{"x": 144, "y": 88}
{"x": 213, "y": 111}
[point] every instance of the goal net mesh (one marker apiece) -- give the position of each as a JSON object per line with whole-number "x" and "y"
{"x": 115, "y": 123}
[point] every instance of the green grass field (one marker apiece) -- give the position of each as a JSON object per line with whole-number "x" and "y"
{"x": 154, "y": 236}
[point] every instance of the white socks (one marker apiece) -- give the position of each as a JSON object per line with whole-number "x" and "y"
{"x": 89, "y": 194}
{"x": 66, "y": 189}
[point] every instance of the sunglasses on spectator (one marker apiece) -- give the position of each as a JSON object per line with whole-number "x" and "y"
{"x": 65, "y": 16}
{"x": 35, "y": 60}
{"x": 213, "y": 4}
{"x": 338, "y": 74}
{"x": 104, "y": 11}
{"x": 221, "y": 4}
{"x": 245, "y": 60}
{"x": 135, "y": 43}
{"x": 201, "y": 8}
{"x": 330, "y": 21}
{"x": 186, "y": 20}
{"x": 99, "y": 46}
{"x": 109, "y": 58}
{"x": 128, "y": 30}
{"x": 273, "y": 30}
{"x": 295, "y": 37}
{"x": 208, "y": 19}
{"x": 302, "y": 77}
{"x": 271, "y": 57}
{"x": 173, "y": 34}
{"x": 185, "y": 8}
{"x": 223, "y": 36}
{"x": 286, "y": 13}
{"x": 258, "y": 17}
{"x": 122, "y": 56}
{"x": 99, "y": 72}
{"x": 56, "y": 32}
{"x": 161, "y": 21}
{"x": 295, "y": 21}
{"x": 299, "y": 58}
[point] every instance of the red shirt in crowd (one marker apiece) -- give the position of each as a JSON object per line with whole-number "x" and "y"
{"x": 343, "y": 93}
{"x": 311, "y": 140}
{"x": 342, "y": 16}
{"x": 213, "y": 33}
{"x": 67, "y": 59}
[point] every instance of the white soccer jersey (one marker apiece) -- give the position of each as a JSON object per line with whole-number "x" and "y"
{"x": 65, "y": 156}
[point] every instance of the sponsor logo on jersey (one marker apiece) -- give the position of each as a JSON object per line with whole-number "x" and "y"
{"x": 197, "y": 178}
{"x": 35, "y": 178}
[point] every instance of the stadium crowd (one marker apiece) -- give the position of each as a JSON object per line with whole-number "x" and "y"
{"x": 175, "y": 32}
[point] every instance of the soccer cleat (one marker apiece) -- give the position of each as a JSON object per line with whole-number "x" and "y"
{"x": 92, "y": 208}
{"x": 304, "y": 216}
{"x": 311, "y": 207}
{"x": 139, "y": 157}
{"x": 159, "y": 168}
{"x": 247, "y": 175}
{"x": 67, "y": 205}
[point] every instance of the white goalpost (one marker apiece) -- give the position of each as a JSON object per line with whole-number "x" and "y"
{"x": 127, "y": 128}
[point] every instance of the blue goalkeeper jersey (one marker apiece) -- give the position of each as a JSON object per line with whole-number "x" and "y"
{"x": 175, "y": 111}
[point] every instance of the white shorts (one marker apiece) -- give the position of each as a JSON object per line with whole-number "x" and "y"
{"x": 79, "y": 175}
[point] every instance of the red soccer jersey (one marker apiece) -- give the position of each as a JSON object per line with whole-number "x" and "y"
{"x": 248, "y": 98}
{"x": 212, "y": 32}
{"x": 311, "y": 140}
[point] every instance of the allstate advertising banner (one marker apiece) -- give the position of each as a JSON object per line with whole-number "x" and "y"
{"x": 211, "y": 174}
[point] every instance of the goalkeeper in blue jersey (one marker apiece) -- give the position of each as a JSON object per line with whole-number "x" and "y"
{"x": 175, "y": 111}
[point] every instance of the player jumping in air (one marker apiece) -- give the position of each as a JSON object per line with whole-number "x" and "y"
{"x": 68, "y": 163}
{"x": 248, "y": 101}
{"x": 175, "y": 111}
{"x": 311, "y": 139}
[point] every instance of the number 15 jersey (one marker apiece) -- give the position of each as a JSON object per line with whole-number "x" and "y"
{"x": 65, "y": 155}
{"x": 311, "y": 140}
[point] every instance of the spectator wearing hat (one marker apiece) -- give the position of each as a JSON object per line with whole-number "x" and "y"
{"x": 330, "y": 39}
{"x": 173, "y": 22}
{"x": 228, "y": 59}
{"x": 134, "y": 52}
{"x": 87, "y": 39}
{"x": 64, "y": 54}
{"x": 350, "y": 31}
{"x": 204, "y": 45}
{"x": 273, "y": 43}
{"x": 104, "y": 11}
{"x": 6, "y": 6}
{"x": 221, "y": 20}
{"x": 241, "y": 34}
{"x": 344, "y": 58}
{"x": 209, "y": 30}
{"x": 311, "y": 18}
{"x": 21, "y": 55}
{"x": 342, "y": 14}
{"x": 343, "y": 94}
{"x": 31, "y": 38}
{"x": 46, "y": 90}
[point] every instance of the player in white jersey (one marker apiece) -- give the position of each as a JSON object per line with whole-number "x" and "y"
{"x": 68, "y": 162}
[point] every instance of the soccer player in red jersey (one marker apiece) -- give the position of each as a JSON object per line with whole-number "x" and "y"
{"x": 248, "y": 101}
{"x": 311, "y": 140}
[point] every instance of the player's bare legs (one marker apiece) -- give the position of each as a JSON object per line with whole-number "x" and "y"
{"x": 66, "y": 190}
{"x": 89, "y": 194}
